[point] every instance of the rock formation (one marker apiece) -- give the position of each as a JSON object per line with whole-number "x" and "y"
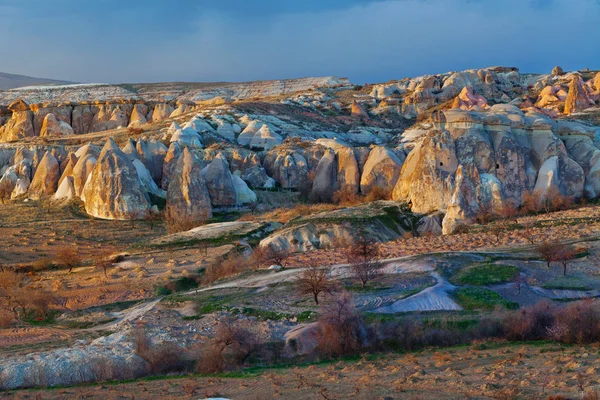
{"x": 187, "y": 194}
{"x": 113, "y": 189}
{"x": 45, "y": 181}
{"x": 53, "y": 127}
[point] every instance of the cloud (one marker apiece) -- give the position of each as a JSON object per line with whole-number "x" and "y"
{"x": 231, "y": 40}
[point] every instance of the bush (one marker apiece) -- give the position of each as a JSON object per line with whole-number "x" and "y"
{"x": 577, "y": 323}
{"x": 162, "y": 291}
{"x": 135, "y": 131}
{"x": 340, "y": 327}
{"x": 163, "y": 358}
{"x": 42, "y": 264}
{"x": 229, "y": 349}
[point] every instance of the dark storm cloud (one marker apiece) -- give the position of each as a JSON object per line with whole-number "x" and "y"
{"x": 116, "y": 41}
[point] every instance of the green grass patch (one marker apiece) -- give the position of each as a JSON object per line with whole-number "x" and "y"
{"x": 478, "y": 298}
{"x": 566, "y": 283}
{"x": 487, "y": 274}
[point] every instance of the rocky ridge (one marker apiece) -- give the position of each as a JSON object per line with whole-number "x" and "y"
{"x": 483, "y": 139}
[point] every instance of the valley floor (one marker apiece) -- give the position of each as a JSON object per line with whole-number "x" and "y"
{"x": 481, "y": 371}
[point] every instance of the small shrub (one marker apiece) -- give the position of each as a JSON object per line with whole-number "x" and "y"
{"x": 229, "y": 349}
{"x": 68, "y": 255}
{"x": 162, "y": 291}
{"x": 6, "y": 318}
{"x": 162, "y": 358}
{"x": 132, "y": 130}
{"x": 42, "y": 264}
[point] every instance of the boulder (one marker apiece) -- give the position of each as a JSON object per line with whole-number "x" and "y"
{"x": 138, "y": 115}
{"x": 288, "y": 167}
{"x": 263, "y": 139}
{"x": 468, "y": 100}
{"x": 381, "y": 170}
{"x": 557, "y": 71}
{"x": 427, "y": 177}
{"x": 130, "y": 150}
{"x": 113, "y": 189}
{"x": 45, "y": 181}
{"x": 245, "y": 195}
{"x": 170, "y": 163}
{"x": 81, "y": 172}
{"x": 53, "y": 127}
{"x": 187, "y": 194}
{"x": 325, "y": 181}
{"x": 463, "y": 206}
{"x": 358, "y": 111}
{"x": 66, "y": 190}
{"x": 111, "y": 116}
{"x": 248, "y": 133}
{"x": 161, "y": 111}
{"x": 19, "y": 126}
{"x": 348, "y": 172}
{"x": 82, "y": 118}
{"x": 220, "y": 183}
{"x": 578, "y": 98}
{"x": 67, "y": 166}
{"x": 152, "y": 153}
{"x": 225, "y": 129}
{"x": 187, "y": 137}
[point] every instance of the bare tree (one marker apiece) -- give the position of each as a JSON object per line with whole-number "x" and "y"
{"x": 12, "y": 288}
{"x": 103, "y": 260}
{"x": 362, "y": 257}
{"x": 507, "y": 213}
{"x": 340, "y": 327}
{"x": 528, "y": 232}
{"x": 519, "y": 280}
{"x": 565, "y": 255}
{"x": 497, "y": 230}
{"x": 20, "y": 298}
{"x": 68, "y": 255}
{"x": 229, "y": 348}
{"x": 550, "y": 252}
{"x": 153, "y": 217}
{"x": 315, "y": 280}
{"x": 6, "y": 189}
{"x": 278, "y": 256}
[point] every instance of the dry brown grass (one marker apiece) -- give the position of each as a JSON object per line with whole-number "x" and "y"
{"x": 284, "y": 215}
{"x": 492, "y": 372}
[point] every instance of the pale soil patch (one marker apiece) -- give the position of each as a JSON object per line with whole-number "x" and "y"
{"x": 434, "y": 298}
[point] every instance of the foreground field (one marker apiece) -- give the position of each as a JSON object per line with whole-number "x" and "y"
{"x": 482, "y": 371}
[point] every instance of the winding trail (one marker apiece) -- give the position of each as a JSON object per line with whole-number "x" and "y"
{"x": 433, "y": 298}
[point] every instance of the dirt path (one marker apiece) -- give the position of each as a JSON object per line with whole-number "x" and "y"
{"x": 128, "y": 315}
{"x": 434, "y": 298}
{"x": 439, "y": 299}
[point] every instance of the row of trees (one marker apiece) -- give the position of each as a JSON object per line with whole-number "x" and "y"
{"x": 362, "y": 256}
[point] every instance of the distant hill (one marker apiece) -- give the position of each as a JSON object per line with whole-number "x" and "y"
{"x": 9, "y": 81}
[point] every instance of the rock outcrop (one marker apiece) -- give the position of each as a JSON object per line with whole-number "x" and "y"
{"x": 113, "y": 189}
{"x": 53, "y": 127}
{"x": 381, "y": 170}
{"x": 578, "y": 98}
{"x": 187, "y": 194}
{"x": 220, "y": 183}
{"x": 45, "y": 181}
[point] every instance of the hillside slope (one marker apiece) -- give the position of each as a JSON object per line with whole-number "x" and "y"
{"x": 10, "y": 81}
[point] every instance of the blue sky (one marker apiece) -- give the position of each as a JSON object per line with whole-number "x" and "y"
{"x": 237, "y": 40}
